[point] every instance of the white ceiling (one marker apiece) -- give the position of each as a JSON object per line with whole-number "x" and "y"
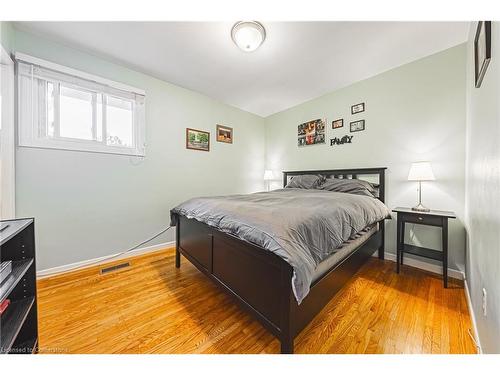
{"x": 297, "y": 62}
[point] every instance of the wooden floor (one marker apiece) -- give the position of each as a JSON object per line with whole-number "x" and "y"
{"x": 152, "y": 307}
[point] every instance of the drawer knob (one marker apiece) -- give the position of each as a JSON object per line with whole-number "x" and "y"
{"x": 420, "y": 218}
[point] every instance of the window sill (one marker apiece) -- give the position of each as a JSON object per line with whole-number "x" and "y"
{"x": 91, "y": 149}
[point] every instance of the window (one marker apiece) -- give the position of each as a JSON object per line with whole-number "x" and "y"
{"x": 66, "y": 109}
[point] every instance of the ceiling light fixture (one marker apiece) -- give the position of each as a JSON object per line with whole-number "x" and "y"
{"x": 248, "y": 35}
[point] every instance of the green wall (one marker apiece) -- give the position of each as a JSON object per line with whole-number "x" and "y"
{"x": 6, "y": 34}
{"x": 90, "y": 205}
{"x": 414, "y": 112}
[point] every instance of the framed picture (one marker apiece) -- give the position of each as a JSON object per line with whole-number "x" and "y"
{"x": 357, "y": 108}
{"x": 311, "y": 133}
{"x": 197, "y": 140}
{"x": 224, "y": 134}
{"x": 338, "y": 123}
{"x": 482, "y": 50}
{"x": 357, "y": 126}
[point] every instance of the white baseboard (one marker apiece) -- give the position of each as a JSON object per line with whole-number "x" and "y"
{"x": 434, "y": 268}
{"x": 472, "y": 317}
{"x": 96, "y": 261}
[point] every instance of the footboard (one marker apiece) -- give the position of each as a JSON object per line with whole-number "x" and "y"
{"x": 259, "y": 280}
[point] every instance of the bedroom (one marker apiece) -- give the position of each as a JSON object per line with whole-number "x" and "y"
{"x": 232, "y": 193}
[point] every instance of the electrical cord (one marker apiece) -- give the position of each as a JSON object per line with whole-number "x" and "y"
{"x": 123, "y": 252}
{"x": 473, "y": 339}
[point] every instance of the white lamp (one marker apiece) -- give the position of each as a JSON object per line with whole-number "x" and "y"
{"x": 420, "y": 171}
{"x": 268, "y": 177}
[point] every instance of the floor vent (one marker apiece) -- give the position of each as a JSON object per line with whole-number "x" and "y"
{"x": 114, "y": 268}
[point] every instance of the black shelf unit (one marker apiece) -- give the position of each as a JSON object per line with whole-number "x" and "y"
{"x": 19, "y": 323}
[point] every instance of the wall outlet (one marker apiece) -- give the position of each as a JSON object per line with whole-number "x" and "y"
{"x": 485, "y": 302}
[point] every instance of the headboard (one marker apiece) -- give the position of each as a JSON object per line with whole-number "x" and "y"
{"x": 373, "y": 175}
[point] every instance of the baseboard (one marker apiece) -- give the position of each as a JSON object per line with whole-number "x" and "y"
{"x": 434, "y": 268}
{"x": 472, "y": 316}
{"x": 96, "y": 261}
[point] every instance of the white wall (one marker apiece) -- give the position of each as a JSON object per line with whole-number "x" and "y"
{"x": 91, "y": 205}
{"x": 483, "y": 192}
{"x": 414, "y": 112}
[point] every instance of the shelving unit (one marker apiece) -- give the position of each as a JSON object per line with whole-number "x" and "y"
{"x": 18, "y": 324}
{"x": 19, "y": 269}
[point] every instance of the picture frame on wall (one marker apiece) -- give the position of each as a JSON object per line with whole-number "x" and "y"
{"x": 198, "y": 140}
{"x": 311, "y": 133}
{"x": 338, "y": 123}
{"x": 224, "y": 134}
{"x": 357, "y": 108}
{"x": 482, "y": 51}
{"x": 357, "y": 126}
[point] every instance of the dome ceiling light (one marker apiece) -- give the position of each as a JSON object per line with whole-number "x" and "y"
{"x": 248, "y": 35}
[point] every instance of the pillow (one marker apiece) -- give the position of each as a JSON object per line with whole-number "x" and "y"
{"x": 305, "y": 181}
{"x": 351, "y": 186}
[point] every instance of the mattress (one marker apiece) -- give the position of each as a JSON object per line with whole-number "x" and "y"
{"x": 343, "y": 251}
{"x": 301, "y": 226}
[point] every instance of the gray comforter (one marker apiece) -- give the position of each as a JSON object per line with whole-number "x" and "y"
{"x": 303, "y": 227}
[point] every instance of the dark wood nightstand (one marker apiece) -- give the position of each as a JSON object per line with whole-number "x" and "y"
{"x": 433, "y": 218}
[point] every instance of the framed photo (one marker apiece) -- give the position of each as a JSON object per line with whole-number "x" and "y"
{"x": 197, "y": 140}
{"x": 224, "y": 134}
{"x": 311, "y": 133}
{"x": 357, "y": 108}
{"x": 357, "y": 126}
{"x": 338, "y": 123}
{"x": 482, "y": 51}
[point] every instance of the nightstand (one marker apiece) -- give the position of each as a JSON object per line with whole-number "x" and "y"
{"x": 433, "y": 218}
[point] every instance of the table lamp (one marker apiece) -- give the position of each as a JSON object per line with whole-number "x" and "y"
{"x": 268, "y": 177}
{"x": 420, "y": 171}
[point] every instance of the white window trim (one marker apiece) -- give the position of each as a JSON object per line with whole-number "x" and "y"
{"x": 7, "y": 151}
{"x": 28, "y": 134}
{"x": 77, "y": 73}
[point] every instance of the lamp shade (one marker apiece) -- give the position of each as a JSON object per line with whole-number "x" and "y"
{"x": 268, "y": 175}
{"x": 421, "y": 171}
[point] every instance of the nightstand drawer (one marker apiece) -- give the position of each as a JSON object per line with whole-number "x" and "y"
{"x": 421, "y": 219}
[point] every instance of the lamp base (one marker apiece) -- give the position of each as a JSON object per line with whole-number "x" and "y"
{"x": 420, "y": 208}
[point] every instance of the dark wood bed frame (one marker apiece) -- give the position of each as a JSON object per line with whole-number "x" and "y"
{"x": 259, "y": 280}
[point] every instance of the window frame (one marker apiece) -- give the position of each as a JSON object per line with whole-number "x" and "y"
{"x": 29, "y": 128}
{"x": 7, "y": 137}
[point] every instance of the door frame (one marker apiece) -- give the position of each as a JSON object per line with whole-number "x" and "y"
{"x": 7, "y": 139}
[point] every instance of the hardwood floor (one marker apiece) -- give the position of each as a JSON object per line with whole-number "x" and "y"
{"x": 152, "y": 307}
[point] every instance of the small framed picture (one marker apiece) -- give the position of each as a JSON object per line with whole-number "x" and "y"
{"x": 357, "y": 108}
{"x": 224, "y": 134}
{"x": 357, "y": 126}
{"x": 338, "y": 123}
{"x": 482, "y": 51}
{"x": 197, "y": 140}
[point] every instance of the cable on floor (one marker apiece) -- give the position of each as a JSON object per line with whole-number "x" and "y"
{"x": 123, "y": 252}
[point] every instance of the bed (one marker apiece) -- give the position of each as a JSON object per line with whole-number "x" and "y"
{"x": 283, "y": 293}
